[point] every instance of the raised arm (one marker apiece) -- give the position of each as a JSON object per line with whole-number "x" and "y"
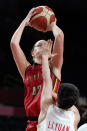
{"x": 17, "y": 52}
{"x": 46, "y": 95}
{"x": 58, "y": 48}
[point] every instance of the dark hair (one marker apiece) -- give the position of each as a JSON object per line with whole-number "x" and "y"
{"x": 68, "y": 95}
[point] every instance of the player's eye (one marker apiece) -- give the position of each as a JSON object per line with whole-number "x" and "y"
{"x": 39, "y": 45}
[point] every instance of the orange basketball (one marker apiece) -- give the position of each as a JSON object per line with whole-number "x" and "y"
{"x": 43, "y": 17}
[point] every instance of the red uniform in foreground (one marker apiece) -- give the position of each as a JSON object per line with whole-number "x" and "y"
{"x": 33, "y": 87}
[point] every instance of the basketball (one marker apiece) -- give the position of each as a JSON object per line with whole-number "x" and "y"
{"x": 43, "y": 17}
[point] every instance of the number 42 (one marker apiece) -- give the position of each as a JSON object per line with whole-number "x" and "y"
{"x": 36, "y": 90}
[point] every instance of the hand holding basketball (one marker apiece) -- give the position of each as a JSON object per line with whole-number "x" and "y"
{"x": 28, "y": 17}
{"x": 49, "y": 28}
{"x": 42, "y": 18}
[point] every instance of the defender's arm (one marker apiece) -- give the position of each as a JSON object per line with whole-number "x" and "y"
{"x": 46, "y": 95}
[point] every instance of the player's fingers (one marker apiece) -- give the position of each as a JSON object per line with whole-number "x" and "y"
{"x": 48, "y": 47}
{"x": 50, "y": 43}
{"x": 31, "y": 15}
{"x": 32, "y": 10}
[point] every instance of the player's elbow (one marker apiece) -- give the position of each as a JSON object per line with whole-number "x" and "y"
{"x": 14, "y": 41}
{"x": 12, "y": 44}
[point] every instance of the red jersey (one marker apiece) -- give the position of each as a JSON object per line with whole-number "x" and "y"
{"x": 33, "y": 87}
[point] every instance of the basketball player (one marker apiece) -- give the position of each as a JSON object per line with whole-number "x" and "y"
{"x": 32, "y": 74}
{"x": 63, "y": 116}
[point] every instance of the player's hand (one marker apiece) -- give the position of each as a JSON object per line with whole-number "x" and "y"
{"x": 28, "y": 17}
{"x": 47, "y": 48}
{"x": 49, "y": 28}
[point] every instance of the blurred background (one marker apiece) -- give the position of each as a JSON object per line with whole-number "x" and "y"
{"x": 71, "y": 18}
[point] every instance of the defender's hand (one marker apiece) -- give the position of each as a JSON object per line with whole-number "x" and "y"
{"x": 46, "y": 50}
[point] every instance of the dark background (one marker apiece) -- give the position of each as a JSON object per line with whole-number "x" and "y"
{"x": 71, "y": 18}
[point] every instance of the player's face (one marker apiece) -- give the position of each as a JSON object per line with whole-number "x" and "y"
{"x": 38, "y": 47}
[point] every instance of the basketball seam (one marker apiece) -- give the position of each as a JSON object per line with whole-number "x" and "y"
{"x": 42, "y": 14}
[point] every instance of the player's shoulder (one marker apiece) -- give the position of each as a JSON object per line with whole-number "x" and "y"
{"x": 75, "y": 110}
